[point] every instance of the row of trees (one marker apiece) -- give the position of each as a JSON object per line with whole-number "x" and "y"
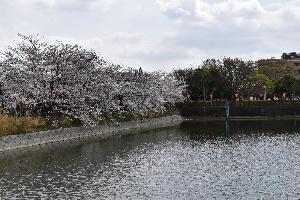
{"x": 225, "y": 78}
{"x": 70, "y": 80}
{"x": 60, "y": 78}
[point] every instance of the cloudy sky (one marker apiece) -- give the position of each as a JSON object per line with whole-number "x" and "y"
{"x": 159, "y": 34}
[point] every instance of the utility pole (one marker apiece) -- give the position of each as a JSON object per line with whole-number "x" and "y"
{"x": 265, "y": 93}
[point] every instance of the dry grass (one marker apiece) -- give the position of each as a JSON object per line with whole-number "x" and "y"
{"x": 17, "y": 125}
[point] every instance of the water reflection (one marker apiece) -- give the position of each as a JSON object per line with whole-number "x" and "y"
{"x": 227, "y": 126}
{"x": 198, "y": 160}
{"x": 211, "y": 129}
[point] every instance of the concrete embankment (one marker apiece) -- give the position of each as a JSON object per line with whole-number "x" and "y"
{"x": 12, "y": 142}
{"x": 241, "y": 109}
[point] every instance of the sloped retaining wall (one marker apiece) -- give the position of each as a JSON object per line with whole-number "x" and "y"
{"x": 275, "y": 110}
{"x": 13, "y": 142}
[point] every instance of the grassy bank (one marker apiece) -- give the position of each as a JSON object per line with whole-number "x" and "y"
{"x": 16, "y": 125}
{"x": 10, "y": 125}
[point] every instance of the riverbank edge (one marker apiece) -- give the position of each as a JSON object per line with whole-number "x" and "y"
{"x": 240, "y": 109}
{"x": 14, "y": 142}
{"x": 240, "y": 118}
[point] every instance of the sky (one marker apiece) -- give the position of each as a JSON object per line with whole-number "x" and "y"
{"x": 159, "y": 34}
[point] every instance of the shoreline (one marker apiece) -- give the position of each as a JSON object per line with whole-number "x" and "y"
{"x": 80, "y": 134}
{"x": 246, "y": 118}
{"x": 68, "y": 135}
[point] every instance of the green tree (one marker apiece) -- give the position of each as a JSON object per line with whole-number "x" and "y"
{"x": 238, "y": 75}
{"x": 288, "y": 84}
{"x": 276, "y": 69}
{"x": 193, "y": 85}
{"x": 261, "y": 81}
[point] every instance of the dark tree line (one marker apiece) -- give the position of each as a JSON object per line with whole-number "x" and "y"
{"x": 227, "y": 78}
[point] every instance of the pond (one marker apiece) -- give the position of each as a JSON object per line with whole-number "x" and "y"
{"x": 198, "y": 160}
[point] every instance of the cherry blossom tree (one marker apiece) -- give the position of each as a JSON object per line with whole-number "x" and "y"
{"x": 148, "y": 92}
{"x": 68, "y": 79}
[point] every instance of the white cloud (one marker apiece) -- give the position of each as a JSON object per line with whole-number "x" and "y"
{"x": 235, "y": 27}
{"x": 99, "y": 5}
{"x": 159, "y": 34}
{"x": 132, "y": 50}
{"x": 230, "y": 12}
{"x": 137, "y": 49}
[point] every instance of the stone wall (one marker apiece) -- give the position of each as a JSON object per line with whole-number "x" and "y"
{"x": 279, "y": 110}
{"x": 12, "y": 142}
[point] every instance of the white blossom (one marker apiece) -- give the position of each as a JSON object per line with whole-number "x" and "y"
{"x": 68, "y": 79}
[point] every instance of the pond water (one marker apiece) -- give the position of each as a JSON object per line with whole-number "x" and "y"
{"x": 197, "y": 160}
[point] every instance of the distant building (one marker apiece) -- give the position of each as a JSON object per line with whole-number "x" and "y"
{"x": 294, "y": 58}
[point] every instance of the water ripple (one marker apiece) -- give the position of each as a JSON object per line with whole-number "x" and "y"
{"x": 168, "y": 164}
